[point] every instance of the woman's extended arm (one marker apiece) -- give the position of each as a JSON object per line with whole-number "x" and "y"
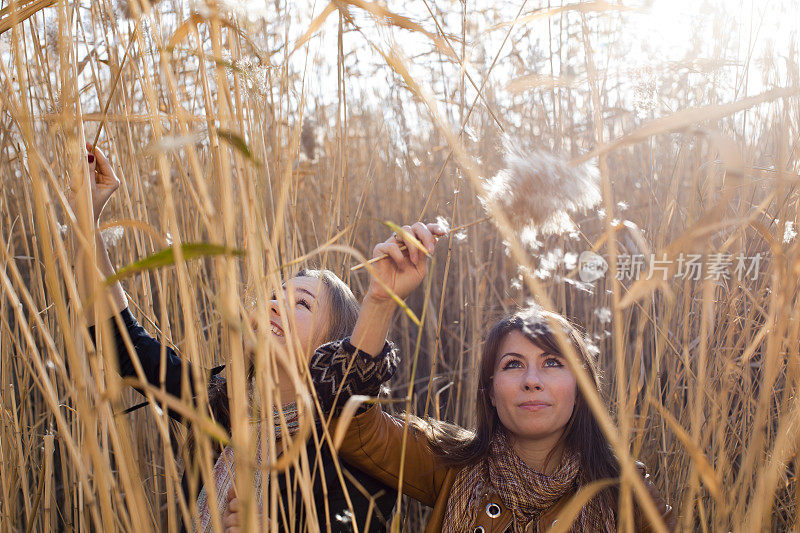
{"x": 148, "y": 349}
{"x": 104, "y": 182}
{"x": 401, "y": 272}
{"x": 374, "y": 441}
{"x": 360, "y": 364}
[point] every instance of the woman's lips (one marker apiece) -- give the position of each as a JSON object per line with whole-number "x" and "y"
{"x": 534, "y": 405}
{"x": 276, "y": 329}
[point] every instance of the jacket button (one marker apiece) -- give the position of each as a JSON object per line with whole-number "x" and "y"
{"x": 493, "y": 510}
{"x": 478, "y": 529}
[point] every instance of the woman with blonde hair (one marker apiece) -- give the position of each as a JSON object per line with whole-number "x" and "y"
{"x": 316, "y": 308}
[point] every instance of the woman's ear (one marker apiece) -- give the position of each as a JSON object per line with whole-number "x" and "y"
{"x": 491, "y": 396}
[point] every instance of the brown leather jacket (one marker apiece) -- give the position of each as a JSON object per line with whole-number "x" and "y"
{"x": 373, "y": 443}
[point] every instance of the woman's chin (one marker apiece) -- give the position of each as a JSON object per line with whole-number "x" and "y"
{"x": 276, "y": 347}
{"x": 537, "y": 432}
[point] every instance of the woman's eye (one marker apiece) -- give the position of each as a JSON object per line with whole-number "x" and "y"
{"x": 553, "y": 362}
{"x": 512, "y": 364}
{"x": 305, "y": 304}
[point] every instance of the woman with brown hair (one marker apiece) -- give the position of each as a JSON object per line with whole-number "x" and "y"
{"x": 535, "y": 442}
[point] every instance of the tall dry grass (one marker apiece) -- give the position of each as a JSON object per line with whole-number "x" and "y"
{"x": 274, "y": 134}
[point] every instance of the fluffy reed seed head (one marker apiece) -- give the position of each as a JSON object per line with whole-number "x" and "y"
{"x": 538, "y": 189}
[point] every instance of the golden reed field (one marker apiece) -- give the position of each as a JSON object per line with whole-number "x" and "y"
{"x": 631, "y": 164}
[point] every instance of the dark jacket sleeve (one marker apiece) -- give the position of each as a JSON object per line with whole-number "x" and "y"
{"x": 148, "y": 351}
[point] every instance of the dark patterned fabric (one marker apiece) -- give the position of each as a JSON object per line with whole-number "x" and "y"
{"x": 340, "y": 371}
{"x": 332, "y": 497}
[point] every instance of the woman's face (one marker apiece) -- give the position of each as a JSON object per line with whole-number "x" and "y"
{"x": 301, "y": 314}
{"x": 532, "y": 390}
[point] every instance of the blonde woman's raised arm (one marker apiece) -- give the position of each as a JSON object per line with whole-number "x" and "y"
{"x": 401, "y": 272}
{"x": 103, "y": 182}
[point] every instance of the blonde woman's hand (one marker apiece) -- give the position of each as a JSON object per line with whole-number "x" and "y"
{"x": 103, "y": 181}
{"x": 233, "y": 518}
{"x": 403, "y": 270}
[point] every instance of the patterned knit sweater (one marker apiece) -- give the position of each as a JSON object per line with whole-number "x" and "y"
{"x": 336, "y": 367}
{"x": 340, "y": 371}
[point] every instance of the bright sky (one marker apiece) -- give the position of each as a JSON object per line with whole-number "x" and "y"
{"x": 754, "y": 26}
{"x": 654, "y": 32}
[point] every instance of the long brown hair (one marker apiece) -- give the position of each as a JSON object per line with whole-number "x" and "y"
{"x": 458, "y": 447}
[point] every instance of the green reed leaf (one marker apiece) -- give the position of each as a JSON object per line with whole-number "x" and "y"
{"x": 166, "y": 257}
{"x": 238, "y": 144}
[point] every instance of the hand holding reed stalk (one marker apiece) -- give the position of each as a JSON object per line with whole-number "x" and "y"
{"x": 408, "y": 250}
{"x": 441, "y": 223}
{"x": 392, "y": 281}
{"x": 103, "y": 181}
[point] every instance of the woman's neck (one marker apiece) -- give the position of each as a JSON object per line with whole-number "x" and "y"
{"x": 286, "y": 389}
{"x": 542, "y": 454}
{"x": 286, "y": 392}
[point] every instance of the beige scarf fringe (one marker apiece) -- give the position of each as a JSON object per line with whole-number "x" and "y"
{"x": 225, "y": 473}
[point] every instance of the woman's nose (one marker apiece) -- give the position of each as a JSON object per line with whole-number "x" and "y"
{"x": 274, "y": 308}
{"x": 532, "y": 380}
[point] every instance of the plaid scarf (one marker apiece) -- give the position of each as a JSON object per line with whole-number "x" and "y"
{"x": 225, "y": 473}
{"x": 524, "y": 491}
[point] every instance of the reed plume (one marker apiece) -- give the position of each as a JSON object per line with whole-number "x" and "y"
{"x": 537, "y": 190}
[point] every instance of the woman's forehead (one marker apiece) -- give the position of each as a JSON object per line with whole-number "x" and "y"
{"x": 305, "y": 284}
{"x": 516, "y": 341}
